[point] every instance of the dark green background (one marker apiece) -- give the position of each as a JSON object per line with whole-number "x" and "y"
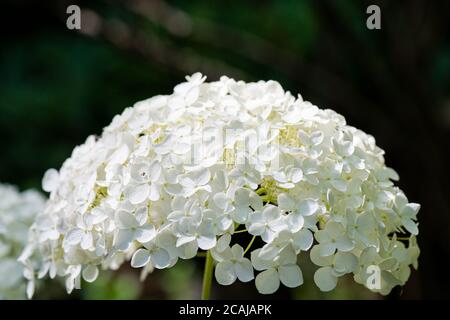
{"x": 57, "y": 86}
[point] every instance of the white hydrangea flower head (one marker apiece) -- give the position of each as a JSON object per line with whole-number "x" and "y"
{"x": 182, "y": 173}
{"x": 17, "y": 213}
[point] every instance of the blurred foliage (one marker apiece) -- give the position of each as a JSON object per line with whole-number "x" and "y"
{"x": 58, "y": 86}
{"x": 112, "y": 286}
{"x": 181, "y": 281}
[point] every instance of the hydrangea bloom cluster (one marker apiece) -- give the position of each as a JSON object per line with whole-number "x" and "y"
{"x": 17, "y": 213}
{"x": 181, "y": 173}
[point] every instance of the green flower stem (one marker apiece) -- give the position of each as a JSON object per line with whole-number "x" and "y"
{"x": 260, "y": 191}
{"x": 403, "y": 238}
{"x": 269, "y": 199}
{"x": 249, "y": 245}
{"x": 207, "y": 276}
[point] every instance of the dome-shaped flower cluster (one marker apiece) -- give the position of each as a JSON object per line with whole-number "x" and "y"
{"x": 180, "y": 173}
{"x": 17, "y": 213}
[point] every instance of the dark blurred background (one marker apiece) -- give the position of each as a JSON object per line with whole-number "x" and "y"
{"x": 57, "y": 86}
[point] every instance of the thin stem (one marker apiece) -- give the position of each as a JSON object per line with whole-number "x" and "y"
{"x": 249, "y": 245}
{"x": 240, "y": 231}
{"x": 269, "y": 199}
{"x": 207, "y": 276}
{"x": 260, "y": 191}
{"x": 201, "y": 254}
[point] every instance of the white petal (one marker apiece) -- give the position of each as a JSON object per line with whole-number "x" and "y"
{"x": 138, "y": 194}
{"x": 97, "y": 216}
{"x": 123, "y": 239}
{"x": 141, "y": 215}
{"x": 345, "y": 262}
{"x": 224, "y": 273}
{"x": 410, "y": 210}
{"x": 52, "y": 234}
{"x": 145, "y": 233}
{"x": 174, "y": 189}
{"x": 319, "y": 260}
{"x": 267, "y": 282}
{"x": 140, "y": 258}
{"x": 87, "y": 242}
{"x": 242, "y": 197}
{"x": 184, "y": 239}
{"x": 119, "y": 156}
{"x": 258, "y": 263}
{"x": 154, "y": 192}
{"x": 202, "y": 177}
{"x": 293, "y": 114}
{"x": 325, "y": 279}
{"x": 333, "y": 229}
{"x": 244, "y": 270}
{"x": 295, "y": 222}
{"x": 175, "y": 215}
{"x": 220, "y": 200}
{"x": 339, "y": 185}
{"x": 317, "y": 137}
{"x": 223, "y": 255}
{"x": 50, "y": 180}
{"x": 285, "y": 202}
{"x": 125, "y": 220}
{"x": 268, "y": 235}
{"x": 188, "y": 250}
{"x": 344, "y": 244}
{"x": 139, "y": 172}
{"x": 257, "y": 217}
{"x": 256, "y": 229}
{"x": 74, "y": 236}
{"x": 224, "y": 223}
{"x": 287, "y": 256}
{"x": 240, "y": 214}
{"x": 347, "y": 148}
{"x": 206, "y": 242}
{"x": 303, "y": 239}
{"x": 155, "y": 171}
{"x": 280, "y": 176}
{"x": 308, "y": 207}
{"x": 237, "y": 251}
{"x": 269, "y": 251}
{"x": 30, "y": 289}
{"x": 192, "y": 95}
{"x": 296, "y": 174}
{"x": 290, "y": 275}
{"x": 255, "y": 202}
{"x": 271, "y": 213}
{"x": 186, "y": 182}
{"x": 326, "y": 249}
{"x": 90, "y": 273}
{"x": 160, "y": 258}
{"x": 70, "y": 284}
{"x": 410, "y": 225}
{"x": 223, "y": 242}
{"x": 400, "y": 201}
